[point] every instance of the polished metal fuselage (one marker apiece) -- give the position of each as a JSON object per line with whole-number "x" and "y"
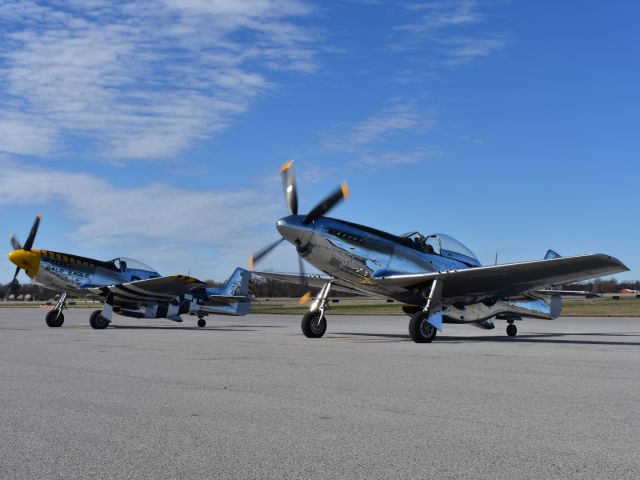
{"x": 76, "y": 275}
{"x": 356, "y": 254}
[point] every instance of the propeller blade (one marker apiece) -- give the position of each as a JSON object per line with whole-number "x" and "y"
{"x": 15, "y": 243}
{"x": 290, "y": 190}
{"x": 305, "y": 298}
{"x": 11, "y": 284}
{"x": 32, "y": 234}
{"x": 303, "y": 281}
{"x": 327, "y": 204}
{"x": 256, "y": 257}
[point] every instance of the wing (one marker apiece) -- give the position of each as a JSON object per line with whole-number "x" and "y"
{"x": 149, "y": 291}
{"x": 314, "y": 280}
{"x": 509, "y": 279}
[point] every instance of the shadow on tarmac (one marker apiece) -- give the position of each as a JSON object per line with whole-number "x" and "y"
{"x": 531, "y": 338}
{"x": 224, "y": 328}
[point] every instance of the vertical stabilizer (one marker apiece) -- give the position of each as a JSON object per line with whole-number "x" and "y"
{"x": 238, "y": 284}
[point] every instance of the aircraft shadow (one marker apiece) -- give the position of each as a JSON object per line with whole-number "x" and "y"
{"x": 225, "y": 328}
{"x": 530, "y": 338}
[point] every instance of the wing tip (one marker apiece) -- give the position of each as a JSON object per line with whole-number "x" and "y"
{"x": 613, "y": 261}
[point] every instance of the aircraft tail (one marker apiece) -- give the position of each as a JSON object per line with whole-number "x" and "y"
{"x": 233, "y": 298}
{"x": 239, "y": 283}
{"x": 552, "y": 254}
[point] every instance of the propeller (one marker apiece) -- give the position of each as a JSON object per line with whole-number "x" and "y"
{"x": 15, "y": 243}
{"x": 256, "y": 257}
{"x": 12, "y": 284}
{"x": 291, "y": 198}
{"x": 327, "y": 204}
{"x": 32, "y": 234}
{"x": 290, "y": 192}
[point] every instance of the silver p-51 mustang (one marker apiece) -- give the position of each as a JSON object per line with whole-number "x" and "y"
{"x": 437, "y": 278}
{"x": 126, "y": 286}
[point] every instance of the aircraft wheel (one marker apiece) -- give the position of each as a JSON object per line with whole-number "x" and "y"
{"x": 97, "y": 321}
{"x": 512, "y": 330}
{"x": 202, "y": 322}
{"x": 310, "y": 326}
{"x": 420, "y": 330}
{"x": 54, "y": 319}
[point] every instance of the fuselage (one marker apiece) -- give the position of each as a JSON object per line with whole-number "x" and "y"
{"x": 356, "y": 253}
{"x": 76, "y": 276}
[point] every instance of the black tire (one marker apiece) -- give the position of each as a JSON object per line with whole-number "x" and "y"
{"x": 54, "y": 319}
{"x": 310, "y": 326}
{"x": 420, "y": 330}
{"x": 512, "y": 330}
{"x": 202, "y": 322}
{"x": 97, "y": 321}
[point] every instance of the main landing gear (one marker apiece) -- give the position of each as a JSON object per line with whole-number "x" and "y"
{"x": 55, "y": 318}
{"x": 202, "y": 322}
{"x": 97, "y": 321}
{"x": 512, "y": 330}
{"x": 420, "y": 330}
{"x": 314, "y": 323}
{"x": 423, "y": 326}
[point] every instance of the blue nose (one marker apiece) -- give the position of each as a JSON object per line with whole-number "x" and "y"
{"x": 293, "y": 230}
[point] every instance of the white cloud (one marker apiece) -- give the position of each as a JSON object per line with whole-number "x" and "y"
{"x": 140, "y": 79}
{"x": 443, "y": 30}
{"x": 443, "y": 13}
{"x": 208, "y": 231}
{"x": 402, "y": 117}
{"x": 391, "y": 159}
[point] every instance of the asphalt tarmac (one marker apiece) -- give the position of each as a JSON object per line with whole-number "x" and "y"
{"x": 250, "y": 397}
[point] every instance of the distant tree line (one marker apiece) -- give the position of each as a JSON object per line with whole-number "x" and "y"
{"x": 603, "y": 286}
{"x": 36, "y": 292}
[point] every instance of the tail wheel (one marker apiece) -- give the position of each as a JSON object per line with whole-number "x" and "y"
{"x": 54, "y": 319}
{"x": 313, "y": 326}
{"x": 420, "y": 330}
{"x": 97, "y": 321}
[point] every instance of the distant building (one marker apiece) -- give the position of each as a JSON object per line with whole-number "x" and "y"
{"x": 627, "y": 290}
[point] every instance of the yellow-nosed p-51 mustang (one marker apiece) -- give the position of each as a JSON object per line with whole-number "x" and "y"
{"x": 126, "y": 286}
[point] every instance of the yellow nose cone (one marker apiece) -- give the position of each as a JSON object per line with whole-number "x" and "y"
{"x": 28, "y": 261}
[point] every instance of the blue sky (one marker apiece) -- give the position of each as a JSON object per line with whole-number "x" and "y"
{"x": 155, "y": 129}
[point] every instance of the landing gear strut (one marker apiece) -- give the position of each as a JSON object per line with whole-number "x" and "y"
{"x": 512, "y": 330}
{"x": 202, "y": 322}
{"x": 55, "y": 318}
{"x": 314, "y": 323}
{"x": 424, "y": 325}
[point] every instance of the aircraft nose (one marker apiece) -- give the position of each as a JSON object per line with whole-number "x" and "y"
{"x": 294, "y": 231}
{"x": 27, "y": 260}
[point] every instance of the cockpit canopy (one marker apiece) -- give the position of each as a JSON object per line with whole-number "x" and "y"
{"x": 123, "y": 263}
{"x": 445, "y": 246}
